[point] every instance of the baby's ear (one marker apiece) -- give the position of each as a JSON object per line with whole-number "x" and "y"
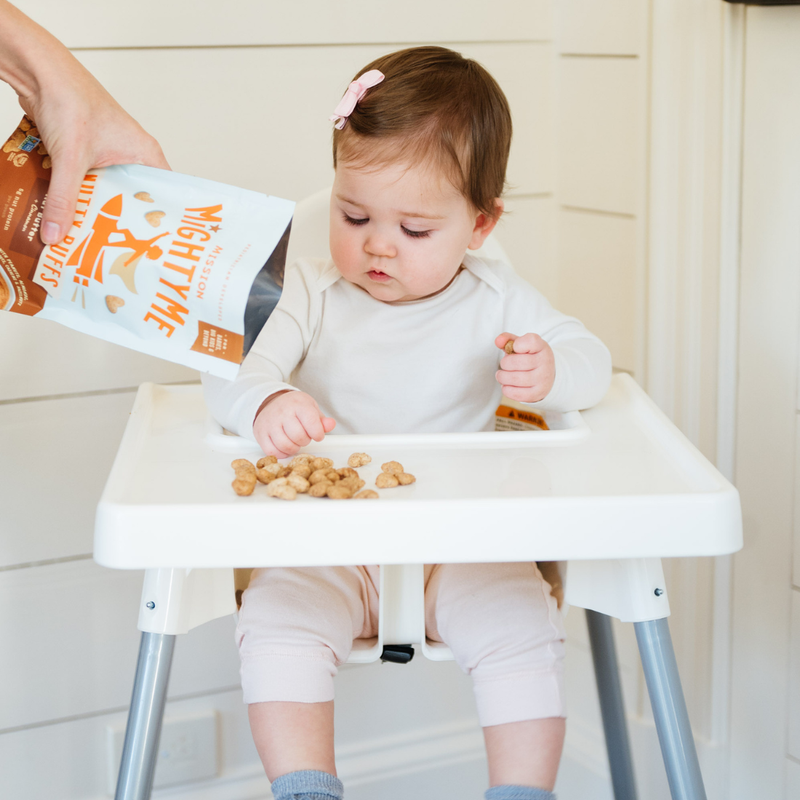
{"x": 484, "y": 224}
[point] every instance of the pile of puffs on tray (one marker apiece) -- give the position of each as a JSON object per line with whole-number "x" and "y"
{"x": 316, "y": 477}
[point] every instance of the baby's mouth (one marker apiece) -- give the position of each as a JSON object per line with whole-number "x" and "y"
{"x": 376, "y": 275}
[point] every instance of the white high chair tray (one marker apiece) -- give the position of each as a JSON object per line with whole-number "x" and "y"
{"x": 627, "y": 485}
{"x": 617, "y": 481}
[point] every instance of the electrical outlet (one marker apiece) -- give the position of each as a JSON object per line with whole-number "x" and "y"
{"x": 187, "y": 750}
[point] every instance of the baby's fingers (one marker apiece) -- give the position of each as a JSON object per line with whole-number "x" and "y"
{"x": 283, "y": 441}
{"x": 296, "y": 432}
{"x": 523, "y": 394}
{"x": 523, "y": 379}
{"x": 263, "y": 434}
{"x": 529, "y": 343}
{"x": 310, "y": 420}
{"x": 520, "y": 362}
{"x": 270, "y": 448}
{"x": 503, "y": 339}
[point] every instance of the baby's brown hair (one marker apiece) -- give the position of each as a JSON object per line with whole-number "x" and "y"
{"x": 435, "y": 106}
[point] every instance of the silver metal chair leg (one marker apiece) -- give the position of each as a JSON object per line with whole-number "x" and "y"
{"x": 143, "y": 731}
{"x": 669, "y": 710}
{"x": 612, "y": 706}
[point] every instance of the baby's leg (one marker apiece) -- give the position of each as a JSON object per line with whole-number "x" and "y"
{"x": 296, "y": 626}
{"x": 505, "y": 631}
{"x": 293, "y": 736}
{"x": 525, "y": 753}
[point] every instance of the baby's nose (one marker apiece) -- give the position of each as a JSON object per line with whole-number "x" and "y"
{"x": 379, "y": 245}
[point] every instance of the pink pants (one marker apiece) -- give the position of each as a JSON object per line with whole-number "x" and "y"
{"x": 297, "y": 625}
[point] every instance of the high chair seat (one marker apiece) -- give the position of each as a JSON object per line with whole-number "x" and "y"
{"x": 609, "y": 491}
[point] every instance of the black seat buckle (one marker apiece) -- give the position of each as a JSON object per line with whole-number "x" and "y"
{"x": 397, "y": 653}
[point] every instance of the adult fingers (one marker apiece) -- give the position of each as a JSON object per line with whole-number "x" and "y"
{"x": 151, "y": 154}
{"x": 62, "y": 196}
{"x": 131, "y": 145}
{"x": 122, "y": 141}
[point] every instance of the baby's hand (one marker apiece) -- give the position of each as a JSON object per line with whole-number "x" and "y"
{"x": 289, "y": 421}
{"x": 528, "y": 372}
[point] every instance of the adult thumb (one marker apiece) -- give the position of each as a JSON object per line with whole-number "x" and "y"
{"x": 62, "y": 198}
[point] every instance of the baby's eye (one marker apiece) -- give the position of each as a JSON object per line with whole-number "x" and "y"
{"x": 353, "y": 221}
{"x": 415, "y": 234}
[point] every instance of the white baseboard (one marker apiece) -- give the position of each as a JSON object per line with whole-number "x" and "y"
{"x": 585, "y": 748}
{"x": 391, "y": 758}
{"x": 372, "y": 761}
{"x": 651, "y": 777}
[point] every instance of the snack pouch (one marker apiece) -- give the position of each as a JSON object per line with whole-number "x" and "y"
{"x": 513, "y": 416}
{"x": 175, "y": 266}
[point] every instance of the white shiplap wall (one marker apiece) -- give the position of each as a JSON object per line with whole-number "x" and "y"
{"x": 240, "y": 92}
{"x": 602, "y": 98}
{"x": 602, "y": 75}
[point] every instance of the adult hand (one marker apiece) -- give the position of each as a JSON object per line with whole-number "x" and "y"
{"x": 83, "y": 128}
{"x": 81, "y": 125}
{"x": 288, "y": 421}
{"x": 527, "y": 374}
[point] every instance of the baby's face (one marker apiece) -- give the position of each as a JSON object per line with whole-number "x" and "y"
{"x": 400, "y": 233}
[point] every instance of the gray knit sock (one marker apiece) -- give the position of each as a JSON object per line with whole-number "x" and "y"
{"x": 518, "y": 793}
{"x": 307, "y": 784}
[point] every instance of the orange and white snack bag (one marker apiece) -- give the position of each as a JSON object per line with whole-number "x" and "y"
{"x": 175, "y": 266}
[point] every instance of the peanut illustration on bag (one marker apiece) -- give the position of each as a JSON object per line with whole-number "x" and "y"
{"x": 114, "y": 303}
{"x": 155, "y": 217}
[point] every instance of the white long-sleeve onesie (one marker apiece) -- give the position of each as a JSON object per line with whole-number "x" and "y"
{"x": 422, "y": 366}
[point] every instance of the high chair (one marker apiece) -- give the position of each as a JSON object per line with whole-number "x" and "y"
{"x": 608, "y": 492}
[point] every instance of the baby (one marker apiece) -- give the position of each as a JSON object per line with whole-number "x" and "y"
{"x": 403, "y": 330}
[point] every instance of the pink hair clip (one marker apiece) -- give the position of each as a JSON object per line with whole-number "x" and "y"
{"x": 355, "y": 91}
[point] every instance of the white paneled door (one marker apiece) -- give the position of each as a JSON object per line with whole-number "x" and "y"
{"x": 765, "y": 746}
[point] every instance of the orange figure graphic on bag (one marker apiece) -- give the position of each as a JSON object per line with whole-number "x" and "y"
{"x": 90, "y": 254}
